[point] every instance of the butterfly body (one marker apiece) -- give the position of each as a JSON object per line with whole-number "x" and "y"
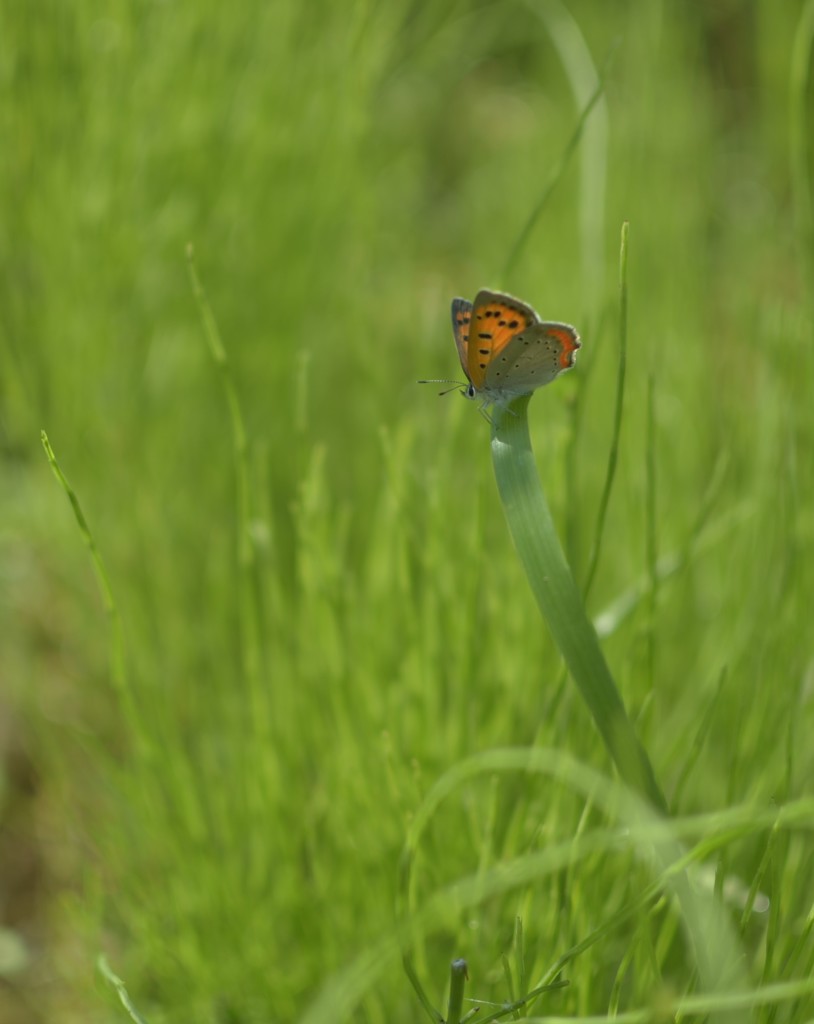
{"x": 506, "y": 350}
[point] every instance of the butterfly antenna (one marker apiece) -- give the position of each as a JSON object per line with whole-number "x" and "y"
{"x": 456, "y": 384}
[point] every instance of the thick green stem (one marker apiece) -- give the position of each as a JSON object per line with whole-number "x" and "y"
{"x": 458, "y": 974}
{"x": 559, "y": 599}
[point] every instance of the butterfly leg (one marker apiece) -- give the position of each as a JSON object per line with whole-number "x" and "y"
{"x": 504, "y": 408}
{"x": 482, "y": 410}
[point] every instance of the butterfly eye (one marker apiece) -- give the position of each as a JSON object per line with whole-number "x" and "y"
{"x": 470, "y": 391}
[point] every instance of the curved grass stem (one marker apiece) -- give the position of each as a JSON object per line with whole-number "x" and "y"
{"x": 559, "y": 599}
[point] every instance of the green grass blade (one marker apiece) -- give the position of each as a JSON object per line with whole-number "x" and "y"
{"x": 651, "y": 535}
{"x": 118, "y": 666}
{"x": 250, "y": 599}
{"x": 568, "y": 38}
{"x": 698, "y": 741}
{"x": 558, "y": 597}
{"x": 516, "y": 1005}
{"x": 121, "y": 991}
{"x": 556, "y": 173}
{"x": 613, "y": 453}
{"x": 118, "y": 671}
{"x": 423, "y": 998}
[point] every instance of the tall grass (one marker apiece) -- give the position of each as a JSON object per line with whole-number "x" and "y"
{"x": 342, "y": 171}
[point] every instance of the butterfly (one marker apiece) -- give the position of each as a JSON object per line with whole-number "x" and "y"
{"x": 506, "y": 350}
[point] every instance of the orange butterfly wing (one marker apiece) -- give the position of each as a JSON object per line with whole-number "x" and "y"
{"x": 461, "y": 313}
{"x": 495, "y": 319}
{"x": 569, "y": 343}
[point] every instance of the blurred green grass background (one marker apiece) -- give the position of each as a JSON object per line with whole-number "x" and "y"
{"x": 343, "y": 170}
